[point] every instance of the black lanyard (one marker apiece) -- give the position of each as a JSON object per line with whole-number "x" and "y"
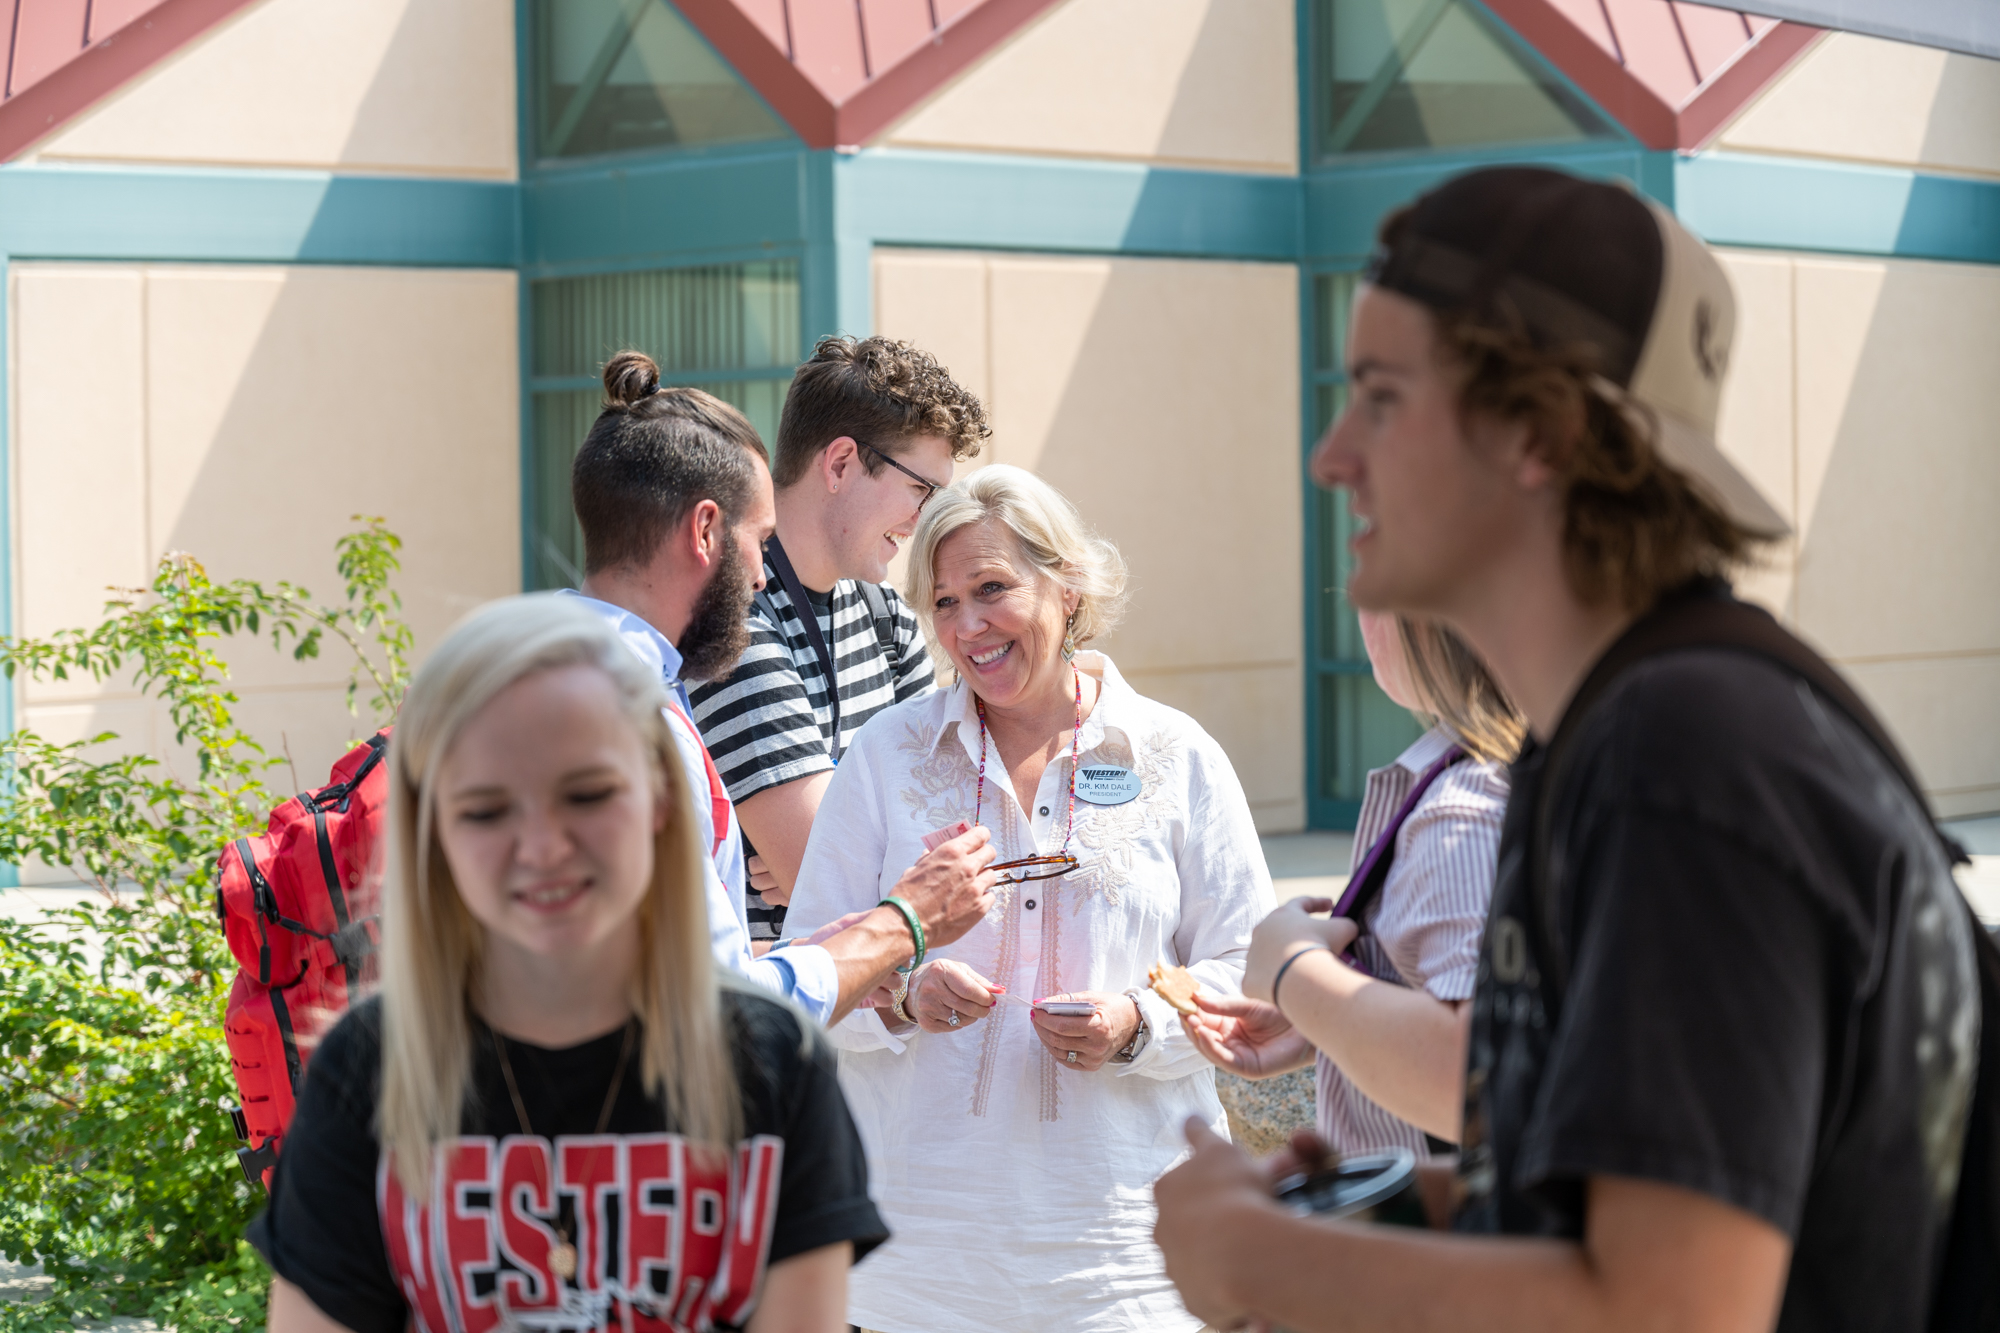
{"x": 809, "y": 617}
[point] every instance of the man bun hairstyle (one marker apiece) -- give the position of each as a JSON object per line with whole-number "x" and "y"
{"x": 652, "y": 455}
{"x": 879, "y": 391}
{"x": 629, "y": 377}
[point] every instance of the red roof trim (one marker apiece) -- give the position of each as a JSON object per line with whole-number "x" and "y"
{"x": 951, "y": 49}
{"x": 101, "y": 67}
{"x": 835, "y": 110}
{"x": 1738, "y": 83}
{"x": 1654, "y": 121}
{"x": 740, "y": 41}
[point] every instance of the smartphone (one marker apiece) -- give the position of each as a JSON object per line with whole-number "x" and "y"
{"x": 1380, "y": 1187}
{"x": 1067, "y": 1008}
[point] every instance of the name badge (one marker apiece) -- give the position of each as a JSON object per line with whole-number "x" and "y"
{"x": 1105, "y": 784}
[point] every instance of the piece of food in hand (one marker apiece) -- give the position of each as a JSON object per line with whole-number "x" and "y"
{"x": 1176, "y": 985}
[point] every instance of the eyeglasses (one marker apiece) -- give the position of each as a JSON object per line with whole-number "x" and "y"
{"x": 1035, "y": 867}
{"x": 930, "y": 487}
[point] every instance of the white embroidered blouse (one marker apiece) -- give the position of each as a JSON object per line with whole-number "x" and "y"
{"x": 1018, "y": 1191}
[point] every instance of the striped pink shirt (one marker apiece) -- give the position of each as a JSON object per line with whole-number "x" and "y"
{"x": 1425, "y": 927}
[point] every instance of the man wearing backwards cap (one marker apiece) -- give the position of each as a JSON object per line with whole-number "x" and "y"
{"x": 1723, "y": 1080}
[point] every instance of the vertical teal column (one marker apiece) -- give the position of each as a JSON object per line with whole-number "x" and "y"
{"x": 837, "y": 289}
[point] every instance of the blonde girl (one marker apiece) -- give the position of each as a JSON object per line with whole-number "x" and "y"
{"x": 556, "y": 1113}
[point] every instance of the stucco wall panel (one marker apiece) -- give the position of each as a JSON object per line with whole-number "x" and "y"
{"x": 1865, "y": 99}
{"x": 1208, "y": 83}
{"x": 1897, "y": 404}
{"x": 1757, "y": 427}
{"x": 1162, "y": 397}
{"x": 364, "y": 85}
{"x": 243, "y": 414}
{"x": 1942, "y": 710}
{"x": 1862, "y": 397}
{"x": 941, "y": 305}
{"x": 79, "y": 449}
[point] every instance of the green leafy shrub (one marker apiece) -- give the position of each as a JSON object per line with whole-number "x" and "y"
{"x": 117, "y": 1167}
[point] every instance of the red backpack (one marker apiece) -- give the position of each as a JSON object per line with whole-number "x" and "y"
{"x": 298, "y": 906}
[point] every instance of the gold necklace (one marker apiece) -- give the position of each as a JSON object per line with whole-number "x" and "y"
{"x": 562, "y": 1255}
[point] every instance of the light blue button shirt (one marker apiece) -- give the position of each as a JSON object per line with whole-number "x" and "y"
{"x": 804, "y": 974}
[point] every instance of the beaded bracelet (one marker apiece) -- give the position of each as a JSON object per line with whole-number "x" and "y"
{"x": 1287, "y": 966}
{"x": 916, "y": 930}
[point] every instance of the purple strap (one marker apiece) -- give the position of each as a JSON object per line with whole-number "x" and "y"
{"x": 1354, "y": 900}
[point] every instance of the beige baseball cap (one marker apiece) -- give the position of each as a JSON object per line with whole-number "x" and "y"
{"x": 1581, "y": 261}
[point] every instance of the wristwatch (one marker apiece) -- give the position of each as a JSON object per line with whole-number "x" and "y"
{"x": 1138, "y": 1042}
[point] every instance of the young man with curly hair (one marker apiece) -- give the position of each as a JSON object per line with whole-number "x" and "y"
{"x": 1726, "y": 1027}
{"x": 870, "y": 430}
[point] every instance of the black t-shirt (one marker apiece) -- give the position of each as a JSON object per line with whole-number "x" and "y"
{"x": 1771, "y": 997}
{"x": 663, "y": 1240}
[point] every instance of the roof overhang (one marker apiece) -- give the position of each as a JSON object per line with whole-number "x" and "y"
{"x": 1671, "y": 74}
{"x": 1971, "y": 26}
{"x": 61, "y": 59}
{"x": 840, "y": 75}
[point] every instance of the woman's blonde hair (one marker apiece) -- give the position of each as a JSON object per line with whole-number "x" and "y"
{"x": 1454, "y": 688}
{"x": 1051, "y": 533}
{"x": 433, "y": 949}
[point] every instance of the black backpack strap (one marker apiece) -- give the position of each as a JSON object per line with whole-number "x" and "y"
{"x": 1705, "y": 615}
{"x": 1366, "y": 886}
{"x": 802, "y": 607}
{"x": 884, "y": 621}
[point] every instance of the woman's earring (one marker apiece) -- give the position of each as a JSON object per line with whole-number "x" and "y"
{"x": 1069, "y": 637}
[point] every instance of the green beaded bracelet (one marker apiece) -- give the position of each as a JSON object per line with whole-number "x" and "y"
{"x": 916, "y": 930}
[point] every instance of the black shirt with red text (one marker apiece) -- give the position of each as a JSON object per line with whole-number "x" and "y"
{"x": 665, "y": 1239}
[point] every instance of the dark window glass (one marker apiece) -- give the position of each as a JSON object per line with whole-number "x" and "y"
{"x": 617, "y": 75}
{"x": 731, "y": 329}
{"x": 1408, "y": 74}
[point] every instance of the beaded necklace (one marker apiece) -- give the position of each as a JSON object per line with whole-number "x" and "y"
{"x": 1075, "y": 735}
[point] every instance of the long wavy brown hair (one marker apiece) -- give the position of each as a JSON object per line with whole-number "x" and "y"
{"x": 1633, "y": 526}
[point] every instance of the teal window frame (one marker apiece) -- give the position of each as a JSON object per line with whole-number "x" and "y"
{"x": 568, "y": 402}
{"x": 530, "y": 95}
{"x": 1314, "y": 92}
{"x": 1368, "y": 729}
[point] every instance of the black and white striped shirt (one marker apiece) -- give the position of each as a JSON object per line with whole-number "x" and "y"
{"x": 769, "y": 722}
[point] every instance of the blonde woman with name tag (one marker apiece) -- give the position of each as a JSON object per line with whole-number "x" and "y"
{"x": 1022, "y": 1088}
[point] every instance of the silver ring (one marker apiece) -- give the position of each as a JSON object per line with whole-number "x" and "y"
{"x": 1071, "y": 1057}
{"x": 953, "y": 1020}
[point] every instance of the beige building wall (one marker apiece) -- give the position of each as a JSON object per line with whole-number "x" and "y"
{"x": 1191, "y": 83}
{"x": 243, "y": 414}
{"x": 1863, "y": 99}
{"x": 1162, "y": 396}
{"x": 417, "y": 86}
{"x": 1863, "y": 393}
